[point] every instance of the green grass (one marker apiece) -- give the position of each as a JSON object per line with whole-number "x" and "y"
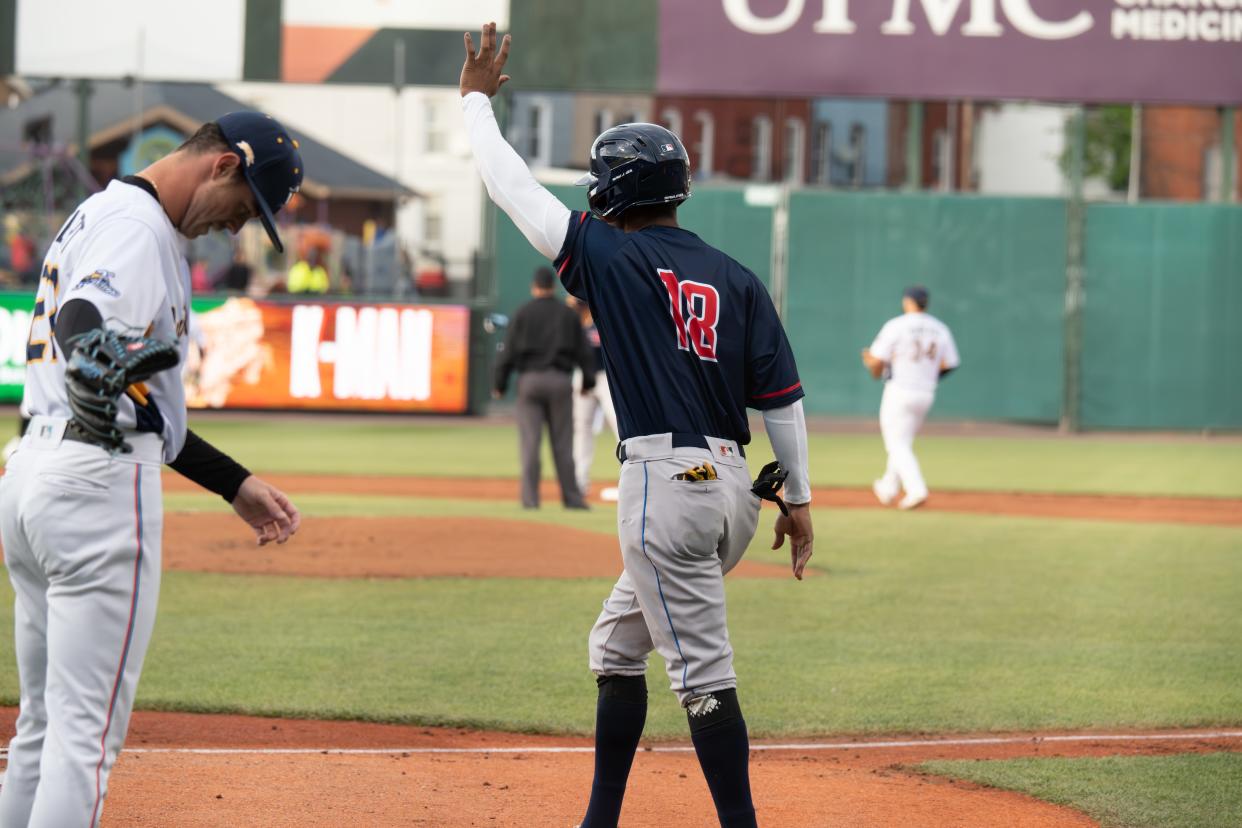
{"x": 911, "y": 623}
{"x": 1080, "y": 464}
{"x": 1183, "y": 791}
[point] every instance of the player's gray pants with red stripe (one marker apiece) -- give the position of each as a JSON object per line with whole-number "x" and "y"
{"x": 81, "y": 534}
{"x": 678, "y": 539}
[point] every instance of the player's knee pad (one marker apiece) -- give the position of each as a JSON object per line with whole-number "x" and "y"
{"x": 714, "y": 709}
{"x": 632, "y": 689}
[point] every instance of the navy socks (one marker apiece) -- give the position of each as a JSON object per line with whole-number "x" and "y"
{"x": 620, "y": 715}
{"x": 723, "y": 747}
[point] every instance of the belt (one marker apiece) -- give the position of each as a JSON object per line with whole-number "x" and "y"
{"x": 47, "y": 432}
{"x": 74, "y": 432}
{"x": 680, "y": 440}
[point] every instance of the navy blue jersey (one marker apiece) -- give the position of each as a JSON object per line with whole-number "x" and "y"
{"x": 690, "y": 337}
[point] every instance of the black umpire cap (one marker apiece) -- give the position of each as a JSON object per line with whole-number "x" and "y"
{"x": 545, "y": 278}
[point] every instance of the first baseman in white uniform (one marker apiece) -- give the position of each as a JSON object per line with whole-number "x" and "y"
{"x": 80, "y": 502}
{"x": 911, "y": 352}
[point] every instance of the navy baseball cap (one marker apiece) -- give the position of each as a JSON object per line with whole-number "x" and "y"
{"x": 918, "y": 293}
{"x": 270, "y": 161}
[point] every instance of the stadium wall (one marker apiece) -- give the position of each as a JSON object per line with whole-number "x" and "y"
{"x": 1162, "y": 336}
{"x": 1164, "y": 291}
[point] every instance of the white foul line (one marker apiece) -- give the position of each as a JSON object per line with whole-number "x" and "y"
{"x": 810, "y": 746}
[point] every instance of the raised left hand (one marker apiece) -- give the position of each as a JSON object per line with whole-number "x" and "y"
{"x": 267, "y": 511}
{"x": 482, "y": 70}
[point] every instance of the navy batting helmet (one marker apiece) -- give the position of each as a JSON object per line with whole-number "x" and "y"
{"x": 633, "y": 165}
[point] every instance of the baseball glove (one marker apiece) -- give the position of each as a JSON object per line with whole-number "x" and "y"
{"x": 768, "y": 485}
{"x": 102, "y": 366}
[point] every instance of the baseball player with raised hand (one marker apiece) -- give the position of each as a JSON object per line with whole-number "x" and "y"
{"x": 81, "y": 511}
{"x": 911, "y": 353}
{"x": 690, "y": 339}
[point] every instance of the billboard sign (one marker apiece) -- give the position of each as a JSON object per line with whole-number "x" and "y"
{"x": 16, "y": 309}
{"x": 314, "y": 356}
{"x": 329, "y": 356}
{"x": 1185, "y": 51}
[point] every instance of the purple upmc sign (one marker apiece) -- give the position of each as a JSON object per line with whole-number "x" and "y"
{"x": 1179, "y": 51}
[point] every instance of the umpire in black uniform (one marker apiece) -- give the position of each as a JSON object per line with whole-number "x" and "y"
{"x": 544, "y": 345}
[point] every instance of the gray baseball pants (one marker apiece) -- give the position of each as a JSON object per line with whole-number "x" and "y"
{"x": 678, "y": 539}
{"x": 546, "y": 396}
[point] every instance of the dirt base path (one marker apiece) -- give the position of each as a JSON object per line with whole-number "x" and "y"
{"x": 1207, "y": 510}
{"x": 241, "y": 777}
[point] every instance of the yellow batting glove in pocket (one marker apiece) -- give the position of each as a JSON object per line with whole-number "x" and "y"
{"x": 704, "y": 472}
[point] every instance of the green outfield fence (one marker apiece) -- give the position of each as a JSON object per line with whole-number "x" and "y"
{"x": 1162, "y": 321}
{"x": 1163, "y": 318}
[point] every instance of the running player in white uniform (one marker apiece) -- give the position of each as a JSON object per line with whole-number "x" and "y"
{"x": 912, "y": 352}
{"x": 81, "y": 517}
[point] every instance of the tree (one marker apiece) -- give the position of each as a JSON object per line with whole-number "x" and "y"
{"x": 1107, "y": 154}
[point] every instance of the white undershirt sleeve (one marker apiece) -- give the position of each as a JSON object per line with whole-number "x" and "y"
{"x": 541, "y": 217}
{"x": 787, "y": 432}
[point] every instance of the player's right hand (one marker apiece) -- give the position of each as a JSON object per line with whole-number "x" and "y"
{"x": 482, "y": 70}
{"x": 267, "y": 510}
{"x": 801, "y": 536}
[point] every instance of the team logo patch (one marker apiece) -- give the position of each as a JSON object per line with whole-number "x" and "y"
{"x": 247, "y": 152}
{"x": 726, "y": 451}
{"x": 101, "y": 279}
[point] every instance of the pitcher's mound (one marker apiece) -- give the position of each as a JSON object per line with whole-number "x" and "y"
{"x": 362, "y": 547}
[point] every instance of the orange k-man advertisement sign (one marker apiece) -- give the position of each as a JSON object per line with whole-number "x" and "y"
{"x": 328, "y": 356}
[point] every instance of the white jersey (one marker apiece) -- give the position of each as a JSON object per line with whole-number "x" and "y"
{"x": 916, "y": 346}
{"x": 120, "y": 252}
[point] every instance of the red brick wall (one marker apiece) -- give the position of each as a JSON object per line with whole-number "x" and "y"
{"x": 1175, "y": 143}
{"x": 731, "y": 148}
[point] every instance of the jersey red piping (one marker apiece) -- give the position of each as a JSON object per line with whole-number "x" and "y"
{"x": 581, "y": 218}
{"x": 783, "y": 391}
{"x": 129, "y": 636}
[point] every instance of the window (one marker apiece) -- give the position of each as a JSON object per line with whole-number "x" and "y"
{"x": 534, "y": 124}
{"x": 839, "y": 164}
{"x": 857, "y": 154}
{"x": 671, "y": 118}
{"x": 538, "y": 133}
{"x": 941, "y": 159}
{"x": 795, "y": 150}
{"x": 821, "y": 154}
{"x": 603, "y": 120}
{"x": 433, "y": 222}
{"x": 707, "y": 141}
{"x": 435, "y": 134}
{"x": 761, "y": 148}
